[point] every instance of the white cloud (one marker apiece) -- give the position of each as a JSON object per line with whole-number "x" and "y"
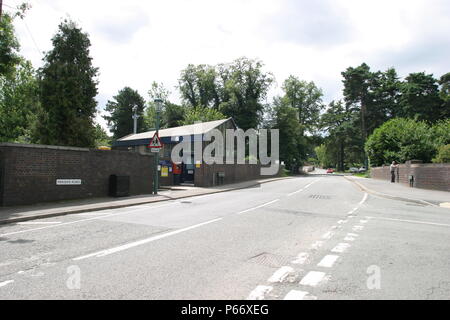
{"x": 137, "y": 42}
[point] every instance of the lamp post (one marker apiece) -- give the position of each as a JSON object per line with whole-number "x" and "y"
{"x": 135, "y": 116}
{"x": 158, "y": 106}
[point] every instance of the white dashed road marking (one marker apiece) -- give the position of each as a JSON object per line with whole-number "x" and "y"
{"x": 305, "y": 187}
{"x": 5, "y": 283}
{"x": 313, "y": 278}
{"x": 350, "y": 237}
{"x": 328, "y": 235}
{"x": 259, "y": 292}
{"x": 103, "y": 253}
{"x": 281, "y": 274}
{"x": 260, "y": 206}
{"x": 298, "y": 295}
{"x": 357, "y": 228}
{"x": 328, "y": 261}
{"x": 341, "y": 247}
{"x": 301, "y": 258}
{"x": 316, "y": 245}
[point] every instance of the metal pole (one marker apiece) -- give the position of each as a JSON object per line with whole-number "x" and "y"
{"x": 156, "y": 182}
{"x": 135, "y": 117}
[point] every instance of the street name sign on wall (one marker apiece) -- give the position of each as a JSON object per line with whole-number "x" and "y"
{"x": 68, "y": 182}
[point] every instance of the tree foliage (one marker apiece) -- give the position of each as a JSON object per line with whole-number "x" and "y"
{"x": 201, "y": 114}
{"x": 306, "y": 98}
{"x": 401, "y": 140}
{"x": 120, "y": 121}
{"x": 236, "y": 89}
{"x": 68, "y": 88}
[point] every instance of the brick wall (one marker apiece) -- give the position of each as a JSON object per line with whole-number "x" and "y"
{"x": 434, "y": 176}
{"x": 28, "y": 173}
{"x": 205, "y": 176}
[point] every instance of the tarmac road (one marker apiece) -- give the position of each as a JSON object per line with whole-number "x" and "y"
{"x": 303, "y": 238}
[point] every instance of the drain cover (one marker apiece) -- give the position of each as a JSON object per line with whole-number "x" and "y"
{"x": 320, "y": 197}
{"x": 269, "y": 260}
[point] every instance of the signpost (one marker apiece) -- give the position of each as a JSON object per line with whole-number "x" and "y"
{"x": 156, "y": 145}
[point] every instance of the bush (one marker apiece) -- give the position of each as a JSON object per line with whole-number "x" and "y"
{"x": 443, "y": 155}
{"x": 401, "y": 140}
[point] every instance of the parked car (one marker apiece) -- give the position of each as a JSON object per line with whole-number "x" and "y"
{"x": 353, "y": 170}
{"x": 329, "y": 170}
{"x": 362, "y": 170}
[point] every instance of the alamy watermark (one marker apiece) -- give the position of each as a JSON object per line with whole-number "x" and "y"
{"x": 223, "y": 149}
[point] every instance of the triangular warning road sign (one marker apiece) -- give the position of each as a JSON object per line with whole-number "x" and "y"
{"x": 155, "y": 142}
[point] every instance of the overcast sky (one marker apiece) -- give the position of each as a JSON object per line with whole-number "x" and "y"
{"x": 135, "y": 42}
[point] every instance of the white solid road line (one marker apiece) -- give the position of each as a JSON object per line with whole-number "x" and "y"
{"x": 312, "y": 278}
{"x": 260, "y": 206}
{"x": 106, "y": 252}
{"x": 341, "y": 247}
{"x": 298, "y": 295}
{"x": 328, "y": 261}
{"x": 281, "y": 274}
{"x": 38, "y": 222}
{"x": 81, "y": 220}
{"x": 4, "y": 283}
{"x": 412, "y": 221}
{"x": 302, "y": 189}
{"x": 259, "y": 292}
{"x": 302, "y": 257}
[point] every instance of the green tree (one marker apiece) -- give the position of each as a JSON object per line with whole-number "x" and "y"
{"x": 101, "y": 137}
{"x": 246, "y": 86}
{"x": 292, "y": 143}
{"x": 120, "y": 121}
{"x": 9, "y": 46}
{"x": 420, "y": 98}
{"x": 306, "y": 98}
{"x": 68, "y": 88}
{"x": 444, "y": 94}
{"x": 343, "y": 135}
{"x": 201, "y": 114}
{"x": 443, "y": 155}
{"x": 19, "y": 102}
{"x": 400, "y": 140}
{"x": 18, "y": 84}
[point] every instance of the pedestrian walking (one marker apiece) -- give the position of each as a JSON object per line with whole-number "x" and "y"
{"x": 393, "y": 168}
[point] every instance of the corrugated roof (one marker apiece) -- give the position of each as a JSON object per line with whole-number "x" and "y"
{"x": 198, "y": 128}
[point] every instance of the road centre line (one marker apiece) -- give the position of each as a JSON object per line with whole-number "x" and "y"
{"x": 312, "y": 278}
{"x": 301, "y": 258}
{"x": 5, "y": 283}
{"x": 411, "y": 221}
{"x": 82, "y": 220}
{"x": 281, "y": 274}
{"x": 305, "y": 187}
{"x": 130, "y": 245}
{"x": 260, "y": 206}
{"x": 298, "y": 295}
{"x": 259, "y": 292}
{"x": 328, "y": 261}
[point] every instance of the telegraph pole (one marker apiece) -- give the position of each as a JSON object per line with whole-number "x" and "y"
{"x": 1, "y": 5}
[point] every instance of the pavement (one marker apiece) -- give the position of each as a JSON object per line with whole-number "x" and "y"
{"x": 401, "y": 192}
{"x": 310, "y": 237}
{"x": 45, "y": 210}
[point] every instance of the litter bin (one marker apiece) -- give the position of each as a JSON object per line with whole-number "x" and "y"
{"x": 119, "y": 186}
